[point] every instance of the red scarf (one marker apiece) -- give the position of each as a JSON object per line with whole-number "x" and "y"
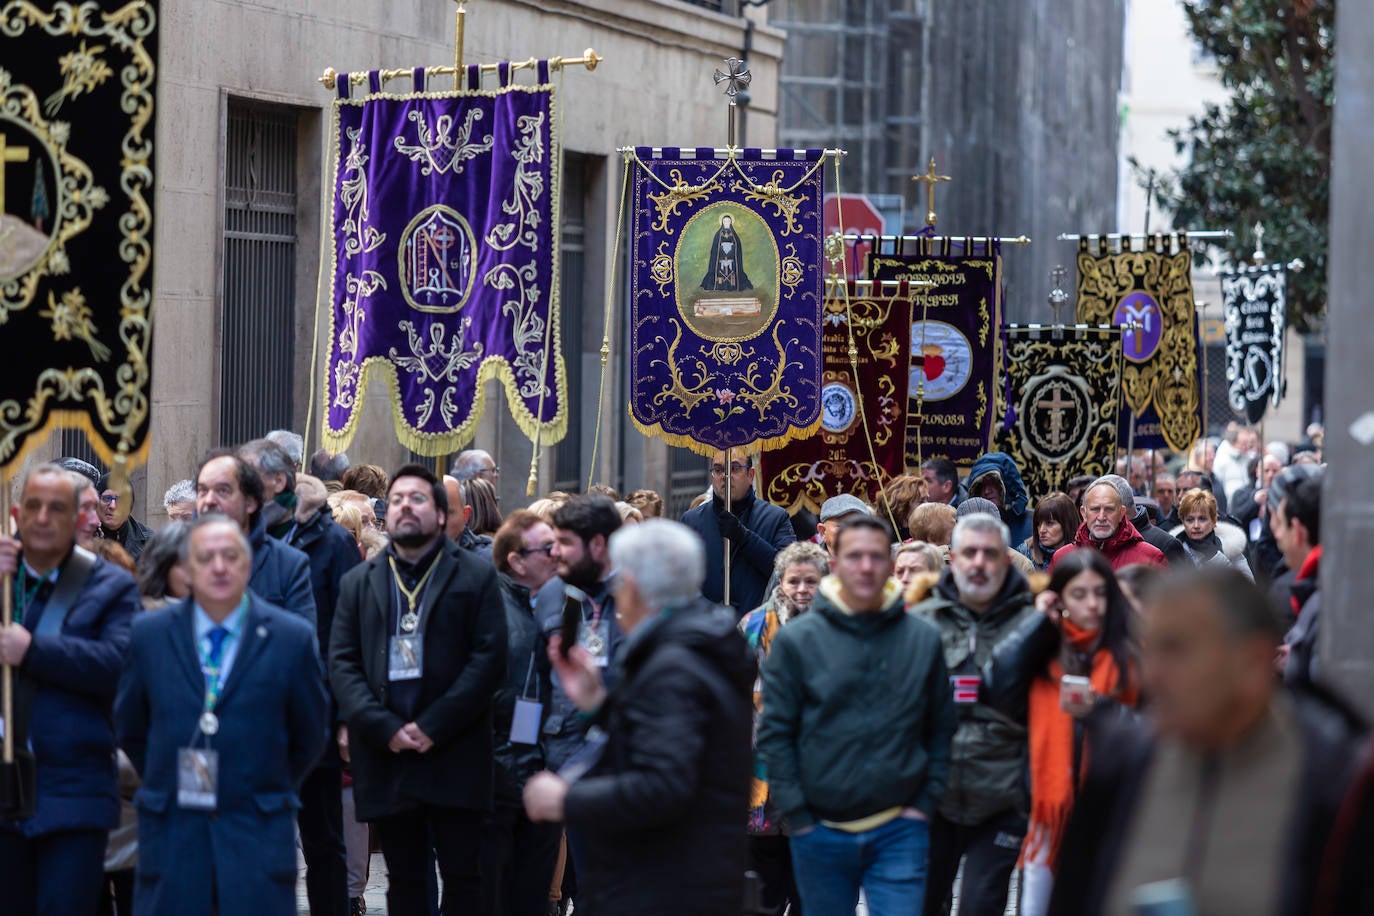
{"x": 1051, "y": 742}
{"x": 1307, "y": 573}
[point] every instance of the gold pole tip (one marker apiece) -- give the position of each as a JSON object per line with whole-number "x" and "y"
{"x": 329, "y": 78}
{"x": 592, "y": 58}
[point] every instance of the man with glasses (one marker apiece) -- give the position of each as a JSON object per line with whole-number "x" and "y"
{"x": 518, "y": 856}
{"x": 755, "y": 530}
{"x": 417, "y": 651}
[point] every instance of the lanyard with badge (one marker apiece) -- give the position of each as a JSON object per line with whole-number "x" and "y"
{"x": 595, "y": 634}
{"x": 198, "y": 763}
{"x": 529, "y": 712}
{"x": 406, "y": 651}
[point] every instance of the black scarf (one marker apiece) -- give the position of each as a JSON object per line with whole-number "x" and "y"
{"x": 1206, "y": 548}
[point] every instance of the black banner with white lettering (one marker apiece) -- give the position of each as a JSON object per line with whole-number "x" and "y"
{"x": 1255, "y": 304}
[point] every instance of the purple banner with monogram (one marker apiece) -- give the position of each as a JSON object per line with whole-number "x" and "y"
{"x": 725, "y": 320}
{"x": 443, "y": 252}
{"x": 954, "y": 344}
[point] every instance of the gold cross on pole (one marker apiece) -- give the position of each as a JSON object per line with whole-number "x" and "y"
{"x": 8, "y": 155}
{"x": 930, "y": 179}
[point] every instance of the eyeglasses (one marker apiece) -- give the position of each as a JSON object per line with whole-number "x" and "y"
{"x": 495, "y": 471}
{"x": 718, "y": 470}
{"x": 545, "y": 549}
{"x": 109, "y": 499}
{"x": 415, "y": 499}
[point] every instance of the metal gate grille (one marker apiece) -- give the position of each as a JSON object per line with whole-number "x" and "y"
{"x": 567, "y": 454}
{"x": 259, "y": 271}
{"x": 689, "y": 475}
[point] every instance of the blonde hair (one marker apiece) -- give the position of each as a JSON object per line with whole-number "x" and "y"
{"x": 1195, "y": 500}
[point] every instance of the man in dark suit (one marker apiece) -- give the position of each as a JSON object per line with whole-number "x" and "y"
{"x": 295, "y": 513}
{"x": 71, "y": 627}
{"x": 418, "y": 649}
{"x": 222, "y": 712}
{"x": 228, "y": 485}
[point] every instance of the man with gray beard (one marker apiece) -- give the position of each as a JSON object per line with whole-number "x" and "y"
{"x": 979, "y": 600}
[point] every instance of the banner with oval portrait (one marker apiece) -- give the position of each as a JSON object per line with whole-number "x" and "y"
{"x": 725, "y": 319}
{"x": 862, "y": 440}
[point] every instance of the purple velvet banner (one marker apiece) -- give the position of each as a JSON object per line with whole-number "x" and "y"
{"x": 725, "y": 320}
{"x": 445, "y": 261}
{"x": 954, "y": 346}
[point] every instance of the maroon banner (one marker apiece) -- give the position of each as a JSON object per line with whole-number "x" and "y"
{"x": 857, "y": 408}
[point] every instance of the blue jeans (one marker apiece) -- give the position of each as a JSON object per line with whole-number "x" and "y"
{"x": 889, "y": 863}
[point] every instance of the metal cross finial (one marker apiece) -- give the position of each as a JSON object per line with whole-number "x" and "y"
{"x": 1258, "y": 256}
{"x": 930, "y": 179}
{"x": 737, "y": 78}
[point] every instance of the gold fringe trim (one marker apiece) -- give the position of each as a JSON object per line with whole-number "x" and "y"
{"x": 73, "y": 419}
{"x": 655, "y": 430}
{"x": 433, "y": 445}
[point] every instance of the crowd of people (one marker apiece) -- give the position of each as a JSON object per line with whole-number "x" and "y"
{"x": 1104, "y": 699}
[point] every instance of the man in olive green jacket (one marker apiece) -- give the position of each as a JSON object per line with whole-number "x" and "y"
{"x": 857, "y": 721}
{"x": 978, "y": 601}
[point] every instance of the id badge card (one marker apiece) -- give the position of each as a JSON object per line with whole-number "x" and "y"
{"x": 596, "y": 640}
{"x": 524, "y": 727}
{"x": 406, "y": 657}
{"x": 197, "y": 778}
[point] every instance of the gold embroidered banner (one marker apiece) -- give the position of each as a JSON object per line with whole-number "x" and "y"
{"x": 856, "y": 408}
{"x": 1061, "y": 403}
{"x": 953, "y": 345}
{"x": 1149, "y": 294}
{"x": 76, "y": 224}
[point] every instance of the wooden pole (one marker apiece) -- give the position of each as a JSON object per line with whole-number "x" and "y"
{"x": 729, "y": 507}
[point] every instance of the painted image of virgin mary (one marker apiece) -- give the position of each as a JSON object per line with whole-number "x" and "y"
{"x": 725, "y": 270}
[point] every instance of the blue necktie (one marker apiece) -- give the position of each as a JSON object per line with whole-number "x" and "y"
{"x": 216, "y": 637}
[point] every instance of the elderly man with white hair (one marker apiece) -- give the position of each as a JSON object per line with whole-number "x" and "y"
{"x": 1107, "y": 527}
{"x": 659, "y": 797}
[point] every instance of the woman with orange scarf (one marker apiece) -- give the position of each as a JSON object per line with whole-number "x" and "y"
{"x": 1077, "y": 658}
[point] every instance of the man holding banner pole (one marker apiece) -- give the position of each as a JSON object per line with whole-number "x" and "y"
{"x": 63, "y": 650}
{"x": 753, "y": 530}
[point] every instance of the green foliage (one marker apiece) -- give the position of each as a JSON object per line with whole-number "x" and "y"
{"x": 1265, "y": 155}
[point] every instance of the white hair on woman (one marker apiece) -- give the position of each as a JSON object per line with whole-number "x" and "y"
{"x": 665, "y": 559}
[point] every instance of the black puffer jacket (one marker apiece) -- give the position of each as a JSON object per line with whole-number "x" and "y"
{"x": 527, "y": 676}
{"x": 987, "y": 773}
{"x": 663, "y": 811}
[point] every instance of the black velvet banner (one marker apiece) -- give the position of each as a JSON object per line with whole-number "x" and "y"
{"x": 76, "y": 223}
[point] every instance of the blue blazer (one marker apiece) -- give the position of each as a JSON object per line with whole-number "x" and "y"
{"x": 273, "y": 724}
{"x": 72, "y": 677}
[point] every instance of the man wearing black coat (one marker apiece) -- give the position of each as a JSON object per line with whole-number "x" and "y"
{"x": 71, "y": 627}
{"x": 660, "y": 796}
{"x": 417, "y": 651}
{"x": 296, "y": 514}
{"x": 1233, "y": 791}
{"x": 755, "y": 529}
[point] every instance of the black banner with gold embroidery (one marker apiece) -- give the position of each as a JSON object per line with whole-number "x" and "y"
{"x": 76, "y": 223}
{"x": 954, "y": 343}
{"x": 1149, "y": 294}
{"x": 1061, "y": 403}
{"x": 857, "y": 408}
